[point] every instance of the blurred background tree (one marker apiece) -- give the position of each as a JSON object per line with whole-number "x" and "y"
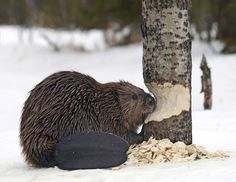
{"x": 212, "y": 19}
{"x": 216, "y": 19}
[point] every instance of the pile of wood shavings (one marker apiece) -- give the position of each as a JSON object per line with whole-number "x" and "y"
{"x": 157, "y": 151}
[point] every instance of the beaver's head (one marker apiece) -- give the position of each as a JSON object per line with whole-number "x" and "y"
{"x": 135, "y": 105}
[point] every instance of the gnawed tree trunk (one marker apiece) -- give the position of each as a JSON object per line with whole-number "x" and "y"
{"x": 206, "y": 83}
{"x": 167, "y": 68}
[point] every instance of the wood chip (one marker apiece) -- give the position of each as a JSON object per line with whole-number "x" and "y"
{"x": 158, "y": 151}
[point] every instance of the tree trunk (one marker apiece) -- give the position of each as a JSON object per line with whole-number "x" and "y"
{"x": 11, "y": 12}
{"x": 206, "y": 83}
{"x": 32, "y": 17}
{"x": 64, "y": 13}
{"x": 32, "y": 12}
{"x": 167, "y": 68}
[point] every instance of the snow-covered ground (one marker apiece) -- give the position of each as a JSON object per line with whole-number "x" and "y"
{"x": 24, "y": 64}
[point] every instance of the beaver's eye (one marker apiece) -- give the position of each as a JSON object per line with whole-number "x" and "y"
{"x": 134, "y": 97}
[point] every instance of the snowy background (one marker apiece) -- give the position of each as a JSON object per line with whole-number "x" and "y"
{"x": 26, "y": 59}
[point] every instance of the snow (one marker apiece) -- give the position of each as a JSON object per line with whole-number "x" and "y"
{"x": 89, "y": 41}
{"x": 24, "y": 64}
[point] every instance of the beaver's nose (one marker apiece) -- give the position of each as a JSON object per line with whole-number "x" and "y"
{"x": 150, "y": 101}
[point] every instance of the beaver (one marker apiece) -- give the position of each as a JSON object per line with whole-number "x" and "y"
{"x": 70, "y": 102}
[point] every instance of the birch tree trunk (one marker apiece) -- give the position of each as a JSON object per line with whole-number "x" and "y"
{"x": 167, "y": 68}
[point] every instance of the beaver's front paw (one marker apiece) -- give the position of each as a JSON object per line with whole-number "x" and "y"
{"x": 135, "y": 138}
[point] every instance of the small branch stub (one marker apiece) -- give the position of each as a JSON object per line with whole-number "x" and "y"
{"x": 206, "y": 83}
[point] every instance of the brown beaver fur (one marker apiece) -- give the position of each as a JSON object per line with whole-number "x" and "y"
{"x": 69, "y": 102}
